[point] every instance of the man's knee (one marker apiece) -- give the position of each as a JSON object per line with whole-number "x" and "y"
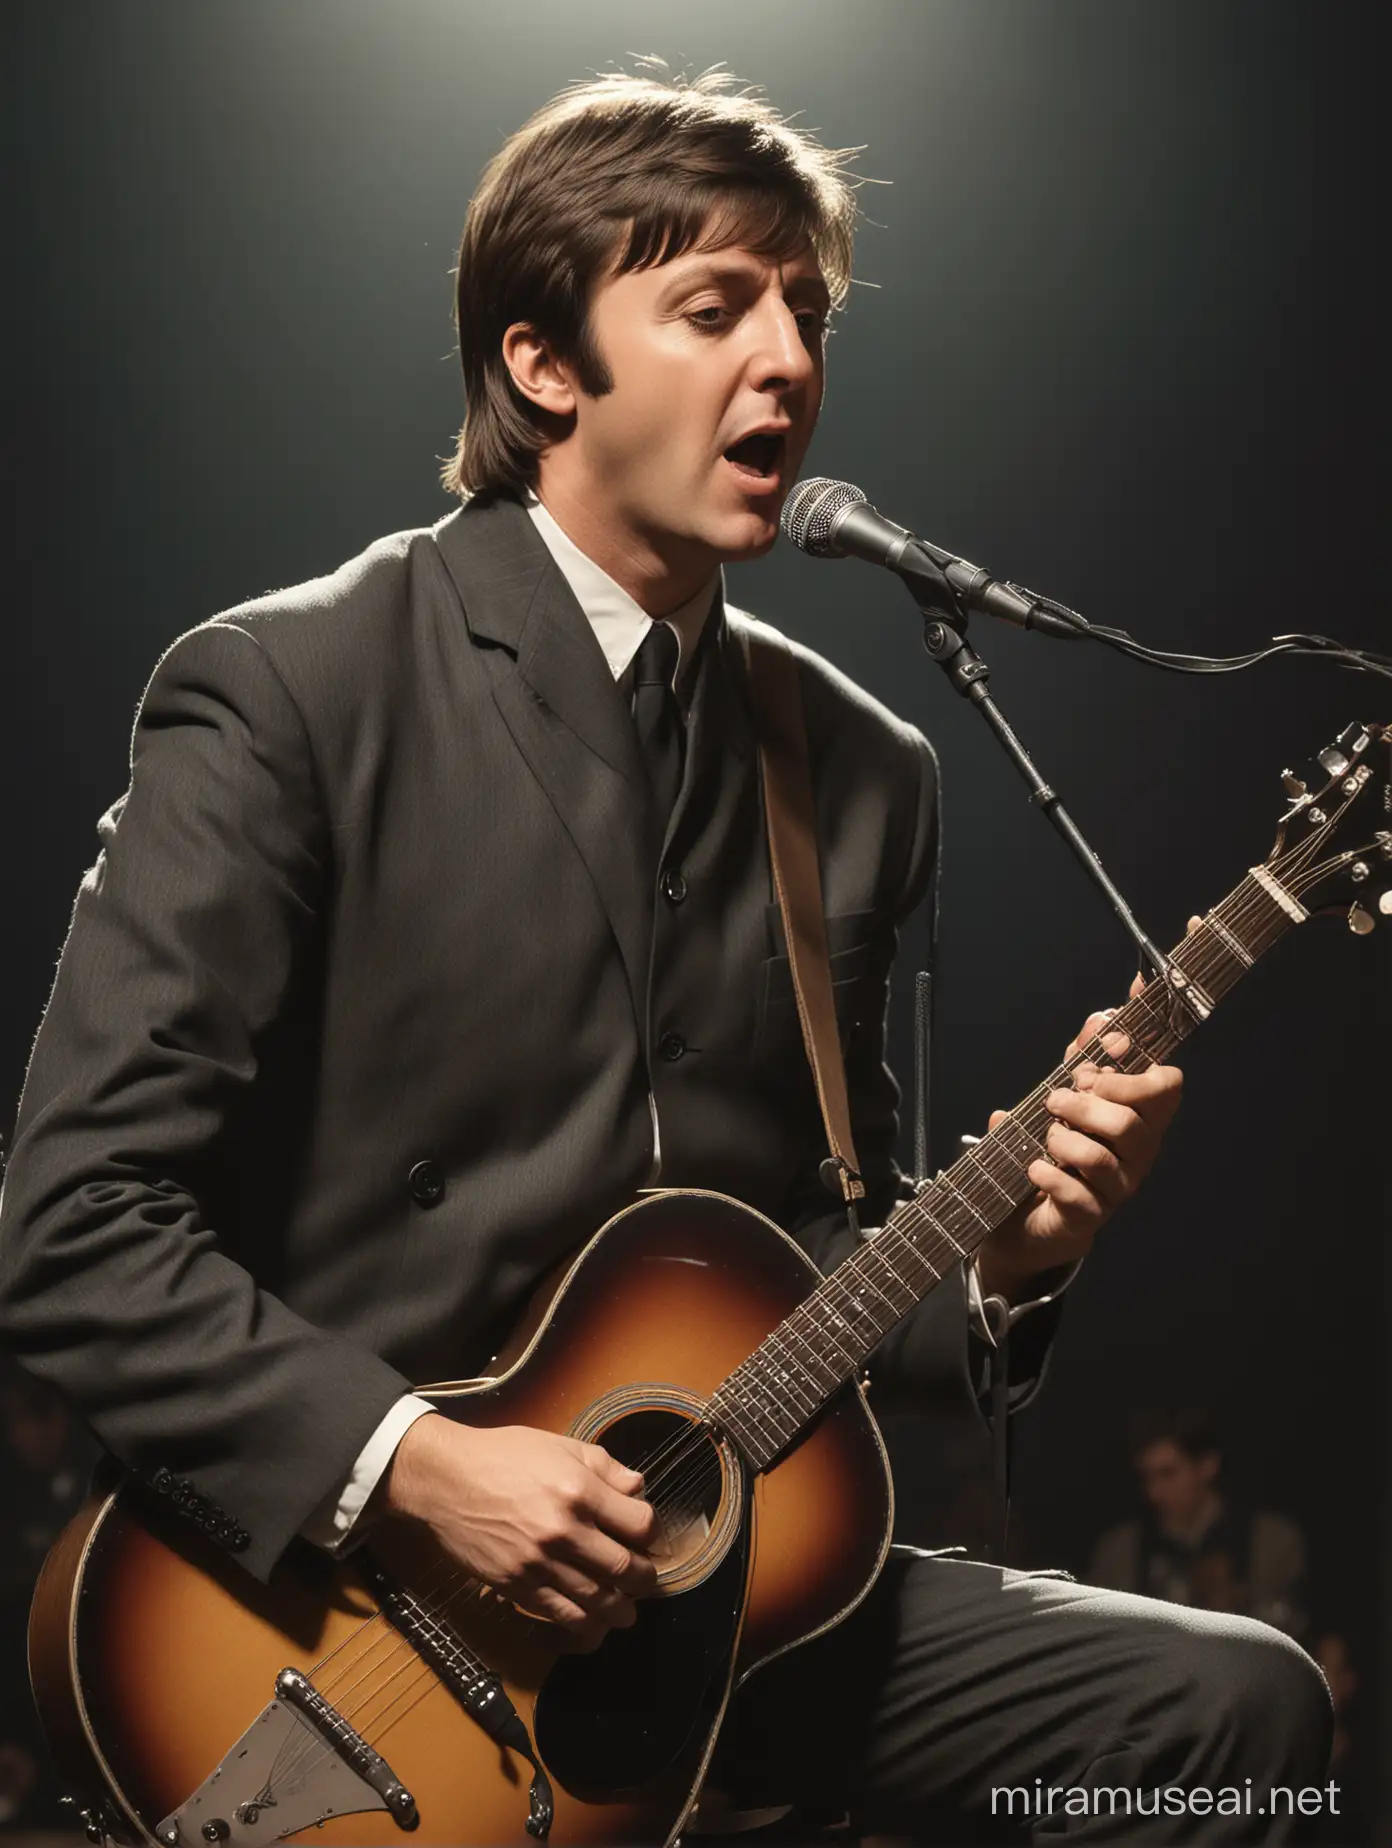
{"x": 1278, "y": 1695}
{"x": 1253, "y": 1696}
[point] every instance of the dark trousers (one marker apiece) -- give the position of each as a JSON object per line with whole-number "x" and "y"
{"x": 934, "y": 1708}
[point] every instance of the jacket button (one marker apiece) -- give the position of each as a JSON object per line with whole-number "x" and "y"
{"x": 672, "y": 1047}
{"x": 238, "y": 1540}
{"x": 426, "y": 1183}
{"x": 673, "y": 886}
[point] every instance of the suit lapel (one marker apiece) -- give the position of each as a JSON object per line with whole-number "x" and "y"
{"x": 563, "y": 709}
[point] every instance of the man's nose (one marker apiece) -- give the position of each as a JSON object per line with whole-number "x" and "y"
{"x": 780, "y": 358}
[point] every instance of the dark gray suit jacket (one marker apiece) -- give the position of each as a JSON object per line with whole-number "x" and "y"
{"x": 376, "y": 898}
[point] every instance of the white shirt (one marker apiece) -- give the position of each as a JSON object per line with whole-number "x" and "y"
{"x": 620, "y": 625}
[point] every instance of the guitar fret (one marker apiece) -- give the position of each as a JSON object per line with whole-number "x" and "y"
{"x": 1207, "y": 967}
{"x": 851, "y": 1355}
{"x": 952, "y": 1188}
{"x": 937, "y": 1274}
{"x": 898, "y": 1292}
{"x": 787, "y": 1373}
{"x": 994, "y": 1161}
{"x": 904, "y": 1248}
{"x": 884, "y": 1312}
{"x": 935, "y": 1223}
{"x": 747, "y": 1402}
{"x": 974, "y": 1158}
{"x": 1026, "y": 1150}
{"x": 774, "y": 1378}
{"x": 867, "y": 1309}
{"x": 753, "y": 1443}
{"x": 804, "y": 1359}
{"x": 1235, "y": 944}
{"x": 763, "y": 1410}
{"x": 1256, "y": 914}
{"x": 1146, "y": 1027}
{"x": 815, "y": 1357}
{"x": 1034, "y": 1114}
{"x": 847, "y": 1292}
{"x": 899, "y": 1226}
{"x": 1134, "y": 1059}
{"x": 841, "y": 1322}
{"x": 844, "y": 1358}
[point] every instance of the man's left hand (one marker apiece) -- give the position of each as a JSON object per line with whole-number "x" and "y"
{"x": 1107, "y": 1131}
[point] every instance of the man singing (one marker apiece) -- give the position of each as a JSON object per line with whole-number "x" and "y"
{"x": 405, "y": 964}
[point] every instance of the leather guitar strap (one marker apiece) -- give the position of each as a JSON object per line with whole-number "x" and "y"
{"x": 791, "y": 818}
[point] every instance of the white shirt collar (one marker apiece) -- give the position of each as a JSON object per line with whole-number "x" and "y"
{"x": 619, "y": 623}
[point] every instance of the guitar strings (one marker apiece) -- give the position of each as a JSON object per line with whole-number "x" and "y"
{"x": 449, "y": 1580}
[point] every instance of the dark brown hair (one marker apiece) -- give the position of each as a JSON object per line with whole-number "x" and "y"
{"x": 660, "y": 161}
{"x": 1188, "y": 1429}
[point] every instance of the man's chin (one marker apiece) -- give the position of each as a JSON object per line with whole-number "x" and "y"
{"x": 746, "y": 536}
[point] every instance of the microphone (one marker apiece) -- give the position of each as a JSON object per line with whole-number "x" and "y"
{"x": 833, "y": 519}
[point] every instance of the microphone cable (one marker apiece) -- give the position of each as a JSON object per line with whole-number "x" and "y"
{"x": 1363, "y": 660}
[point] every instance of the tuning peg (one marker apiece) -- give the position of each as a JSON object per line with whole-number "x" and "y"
{"x": 1292, "y": 784}
{"x": 1360, "y": 922}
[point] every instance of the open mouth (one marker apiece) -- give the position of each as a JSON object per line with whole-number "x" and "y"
{"x": 757, "y": 456}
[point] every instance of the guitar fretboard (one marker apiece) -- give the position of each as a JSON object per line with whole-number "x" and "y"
{"x": 771, "y": 1397}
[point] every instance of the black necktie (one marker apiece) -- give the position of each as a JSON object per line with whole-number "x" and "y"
{"x": 657, "y": 717}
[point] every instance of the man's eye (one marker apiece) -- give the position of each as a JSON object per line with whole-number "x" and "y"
{"x": 811, "y": 321}
{"x": 709, "y": 320}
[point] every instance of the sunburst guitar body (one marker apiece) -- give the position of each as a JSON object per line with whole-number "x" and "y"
{"x": 159, "y": 1665}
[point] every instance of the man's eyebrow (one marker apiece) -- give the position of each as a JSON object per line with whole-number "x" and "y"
{"x": 712, "y": 270}
{"x": 701, "y": 274}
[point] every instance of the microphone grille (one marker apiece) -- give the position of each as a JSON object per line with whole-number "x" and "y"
{"x": 811, "y": 509}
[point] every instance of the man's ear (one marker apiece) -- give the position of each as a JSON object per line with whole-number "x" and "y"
{"x": 536, "y": 371}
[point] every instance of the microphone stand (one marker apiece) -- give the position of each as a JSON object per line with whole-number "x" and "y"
{"x": 945, "y": 638}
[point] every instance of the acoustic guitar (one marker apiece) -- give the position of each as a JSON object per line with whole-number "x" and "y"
{"x": 389, "y": 1692}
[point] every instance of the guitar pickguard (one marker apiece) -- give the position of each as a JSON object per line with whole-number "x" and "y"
{"x": 296, "y": 1765}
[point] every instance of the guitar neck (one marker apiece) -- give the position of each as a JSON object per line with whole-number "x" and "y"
{"x": 771, "y": 1397}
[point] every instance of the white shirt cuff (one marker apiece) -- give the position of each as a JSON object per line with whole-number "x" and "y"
{"x": 332, "y": 1522}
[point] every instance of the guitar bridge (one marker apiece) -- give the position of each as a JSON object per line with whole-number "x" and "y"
{"x": 297, "y": 1764}
{"x": 480, "y": 1693}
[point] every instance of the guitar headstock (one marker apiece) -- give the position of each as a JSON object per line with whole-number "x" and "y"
{"x": 1334, "y": 843}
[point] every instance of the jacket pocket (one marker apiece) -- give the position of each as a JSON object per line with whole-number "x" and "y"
{"x": 778, "y": 1030}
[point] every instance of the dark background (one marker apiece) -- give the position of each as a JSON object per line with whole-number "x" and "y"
{"x": 1116, "y": 340}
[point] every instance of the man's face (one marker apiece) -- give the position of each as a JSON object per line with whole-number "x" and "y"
{"x": 702, "y": 351}
{"x": 1174, "y": 1483}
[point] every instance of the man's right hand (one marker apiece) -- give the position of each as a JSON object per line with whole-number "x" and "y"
{"x": 553, "y": 1524}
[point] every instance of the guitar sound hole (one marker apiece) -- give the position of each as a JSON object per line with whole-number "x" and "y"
{"x": 616, "y": 1719}
{"x": 683, "y": 1477}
